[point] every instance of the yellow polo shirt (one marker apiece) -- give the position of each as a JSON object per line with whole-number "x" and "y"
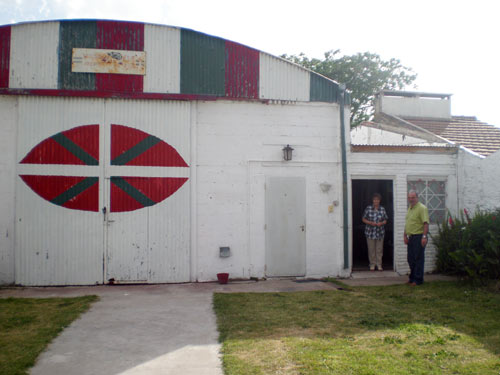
{"x": 415, "y": 219}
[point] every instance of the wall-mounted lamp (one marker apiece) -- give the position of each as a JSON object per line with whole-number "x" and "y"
{"x": 287, "y": 153}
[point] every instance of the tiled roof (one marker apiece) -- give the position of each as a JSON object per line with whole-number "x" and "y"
{"x": 467, "y": 131}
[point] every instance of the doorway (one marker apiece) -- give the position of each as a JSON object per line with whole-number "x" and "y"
{"x": 362, "y": 192}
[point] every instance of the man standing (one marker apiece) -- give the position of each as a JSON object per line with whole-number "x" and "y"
{"x": 415, "y": 236}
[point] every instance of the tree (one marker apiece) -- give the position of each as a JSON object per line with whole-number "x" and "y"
{"x": 364, "y": 74}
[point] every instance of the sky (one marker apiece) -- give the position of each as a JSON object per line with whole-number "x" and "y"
{"x": 451, "y": 44}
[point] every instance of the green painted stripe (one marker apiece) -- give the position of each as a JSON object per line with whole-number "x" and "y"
{"x": 75, "y": 34}
{"x": 132, "y": 191}
{"x": 75, "y": 190}
{"x": 202, "y": 64}
{"x": 323, "y": 90}
{"x": 76, "y": 150}
{"x": 135, "y": 151}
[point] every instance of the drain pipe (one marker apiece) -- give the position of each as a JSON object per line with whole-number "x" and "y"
{"x": 344, "y": 177}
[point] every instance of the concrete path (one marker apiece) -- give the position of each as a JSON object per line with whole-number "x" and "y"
{"x": 144, "y": 329}
{"x": 156, "y": 329}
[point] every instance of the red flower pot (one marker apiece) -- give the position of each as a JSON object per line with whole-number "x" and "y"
{"x": 222, "y": 277}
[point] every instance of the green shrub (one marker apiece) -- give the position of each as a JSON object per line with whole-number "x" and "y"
{"x": 470, "y": 246}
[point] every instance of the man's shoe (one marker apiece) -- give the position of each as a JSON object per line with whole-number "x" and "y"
{"x": 380, "y": 268}
{"x": 413, "y": 284}
{"x": 372, "y": 268}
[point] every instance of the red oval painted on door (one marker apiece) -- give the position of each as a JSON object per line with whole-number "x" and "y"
{"x": 80, "y": 146}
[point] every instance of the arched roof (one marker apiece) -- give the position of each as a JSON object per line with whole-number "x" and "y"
{"x": 65, "y": 58}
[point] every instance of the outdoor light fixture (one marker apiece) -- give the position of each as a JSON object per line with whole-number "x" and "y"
{"x": 287, "y": 153}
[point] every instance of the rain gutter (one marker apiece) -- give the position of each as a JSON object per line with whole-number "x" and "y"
{"x": 344, "y": 177}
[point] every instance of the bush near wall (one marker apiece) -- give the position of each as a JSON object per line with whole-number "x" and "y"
{"x": 470, "y": 246}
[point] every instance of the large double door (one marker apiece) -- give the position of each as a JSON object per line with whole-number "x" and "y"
{"x": 103, "y": 191}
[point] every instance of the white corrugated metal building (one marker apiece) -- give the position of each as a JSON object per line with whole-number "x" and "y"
{"x": 141, "y": 153}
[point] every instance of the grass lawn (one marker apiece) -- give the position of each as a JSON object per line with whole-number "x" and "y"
{"x": 27, "y": 325}
{"x": 436, "y": 328}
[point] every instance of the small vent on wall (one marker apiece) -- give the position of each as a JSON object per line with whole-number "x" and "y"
{"x": 224, "y": 251}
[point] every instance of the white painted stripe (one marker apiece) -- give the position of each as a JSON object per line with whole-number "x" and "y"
{"x": 163, "y": 48}
{"x": 94, "y": 171}
{"x": 34, "y": 55}
{"x": 282, "y": 80}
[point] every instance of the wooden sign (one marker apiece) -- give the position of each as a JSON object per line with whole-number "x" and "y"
{"x": 91, "y": 60}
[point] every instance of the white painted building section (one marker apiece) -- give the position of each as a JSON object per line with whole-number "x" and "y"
{"x": 34, "y": 55}
{"x": 239, "y": 146}
{"x": 282, "y": 80}
{"x": 479, "y": 181}
{"x": 400, "y": 168}
{"x": 414, "y": 106}
{"x": 162, "y": 47}
{"x": 8, "y": 120}
{"x": 365, "y": 135}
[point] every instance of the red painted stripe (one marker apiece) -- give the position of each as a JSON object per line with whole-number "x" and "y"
{"x": 120, "y": 95}
{"x": 121, "y": 201}
{"x": 242, "y": 71}
{"x": 86, "y": 137}
{"x": 123, "y": 138}
{"x": 88, "y": 200}
{"x": 50, "y": 187}
{"x": 4, "y": 55}
{"x": 128, "y": 36}
{"x": 51, "y": 152}
{"x": 155, "y": 188}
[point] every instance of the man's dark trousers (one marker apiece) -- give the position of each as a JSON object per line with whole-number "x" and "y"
{"x": 416, "y": 258}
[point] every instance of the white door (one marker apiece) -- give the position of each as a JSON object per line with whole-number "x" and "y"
{"x": 285, "y": 226}
{"x": 147, "y": 207}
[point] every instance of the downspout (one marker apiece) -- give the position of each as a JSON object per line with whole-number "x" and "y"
{"x": 344, "y": 177}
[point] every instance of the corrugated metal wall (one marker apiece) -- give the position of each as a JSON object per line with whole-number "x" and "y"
{"x": 158, "y": 236}
{"x": 34, "y": 55}
{"x": 62, "y": 233}
{"x": 163, "y": 47}
{"x": 55, "y": 245}
{"x": 178, "y": 61}
{"x": 4, "y": 56}
{"x": 202, "y": 64}
{"x": 281, "y": 80}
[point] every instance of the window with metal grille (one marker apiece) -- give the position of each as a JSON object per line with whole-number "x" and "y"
{"x": 431, "y": 193}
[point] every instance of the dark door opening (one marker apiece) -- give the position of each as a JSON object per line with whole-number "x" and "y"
{"x": 362, "y": 191}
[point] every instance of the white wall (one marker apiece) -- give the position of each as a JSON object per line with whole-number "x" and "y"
{"x": 363, "y": 135}
{"x": 8, "y": 120}
{"x": 479, "y": 181}
{"x": 238, "y": 145}
{"x": 414, "y": 106}
{"x": 398, "y": 167}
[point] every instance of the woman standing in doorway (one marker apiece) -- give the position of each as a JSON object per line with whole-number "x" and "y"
{"x": 375, "y": 219}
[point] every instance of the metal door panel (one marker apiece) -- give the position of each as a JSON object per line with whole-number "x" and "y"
{"x": 285, "y": 226}
{"x": 56, "y": 245}
{"x": 147, "y": 197}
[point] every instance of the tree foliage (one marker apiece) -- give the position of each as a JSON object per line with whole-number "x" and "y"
{"x": 364, "y": 74}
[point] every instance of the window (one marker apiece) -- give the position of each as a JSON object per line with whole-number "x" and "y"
{"x": 431, "y": 193}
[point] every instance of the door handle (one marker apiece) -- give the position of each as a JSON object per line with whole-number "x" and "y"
{"x": 303, "y": 227}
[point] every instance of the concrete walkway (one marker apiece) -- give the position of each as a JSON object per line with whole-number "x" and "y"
{"x": 144, "y": 329}
{"x": 155, "y": 329}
